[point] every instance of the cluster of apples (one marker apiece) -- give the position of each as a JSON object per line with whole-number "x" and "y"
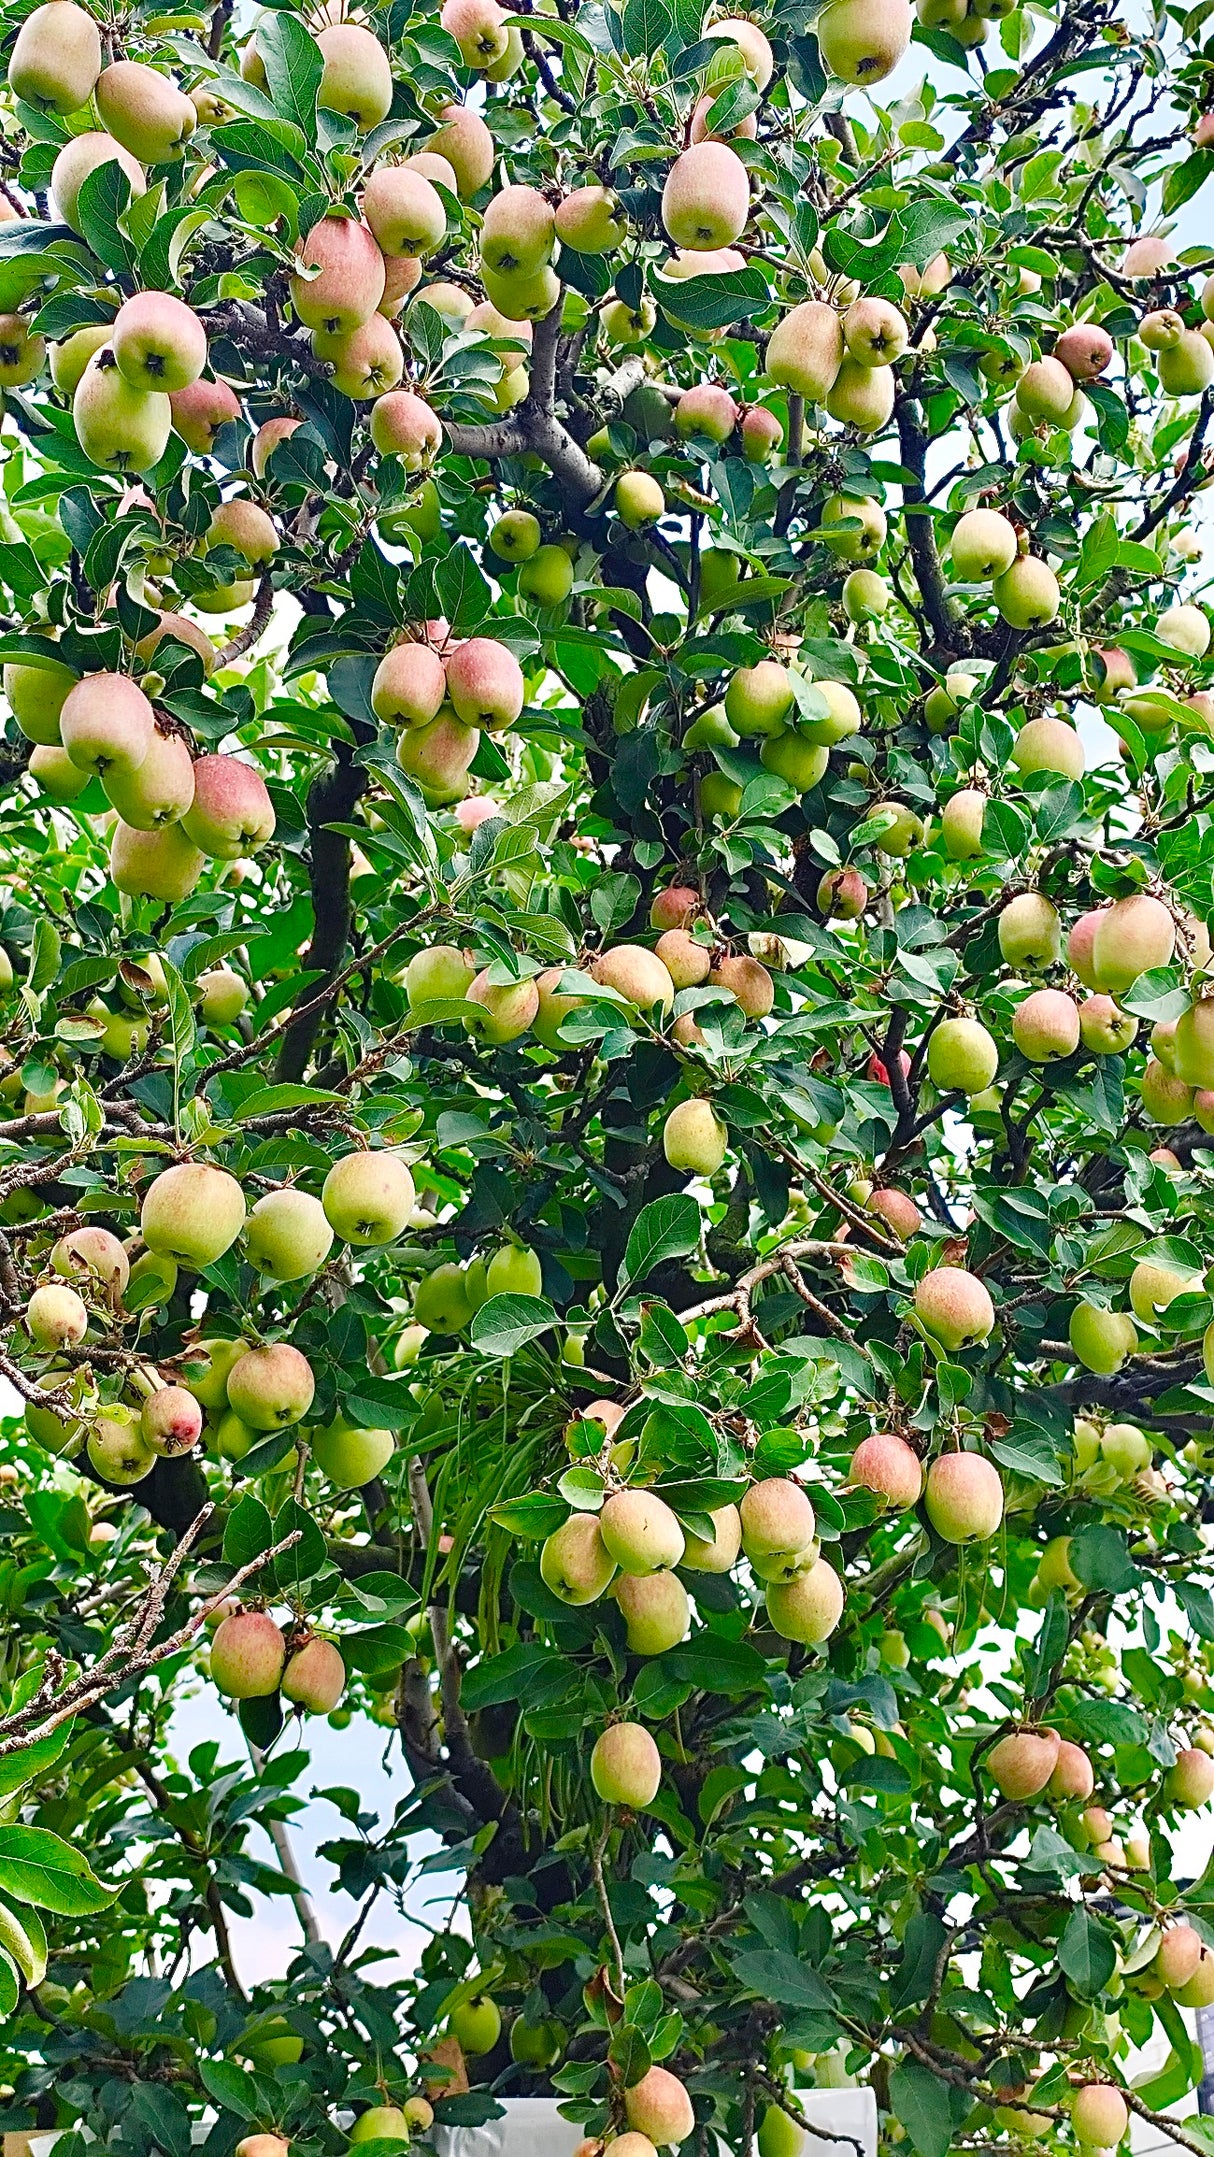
{"x": 192, "y": 1213}
{"x": 252, "y": 1658}
{"x": 440, "y": 701}
{"x": 176, "y": 811}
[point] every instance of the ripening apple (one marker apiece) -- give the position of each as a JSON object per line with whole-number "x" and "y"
{"x": 1193, "y": 1044}
{"x": 1104, "y": 1029}
{"x": 485, "y": 683}
{"x": 349, "y": 1456}
{"x": 1153, "y": 1287}
{"x": 1028, "y": 595}
{"x": 117, "y": 1447}
{"x": 231, "y": 813}
{"x": 1030, "y": 932}
{"x": 575, "y": 1563}
{"x": 721, "y": 1554}
{"x": 314, "y": 1676}
{"x": 866, "y": 596}
{"x": 659, "y": 2107}
{"x": 1047, "y": 744}
{"x": 1130, "y": 937}
{"x": 694, "y": 1139}
{"x": 1021, "y": 1764}
{"x": 1099, "y": 2116}
{"x": 1045, "y": 1026}
{"x": 349, "y": 283}
{"x": 1186, "y": 367}
{"x": 777, "y": 1519}
{"x": 983, "y": 544}
{"x": 861, "y": 396}
{"x": 1073, "y": 1779}
{"x": 962, "y": 1057}
{"x": 639, "y": 500}
{"x": 192, "y": 1212}
{"x": 807, "y": 1608}
{"x": 56, "y": 1317}
{"x": 159, "y": 791}
{"x": 247, "y": 1655}
{"x": 506, "y": 1011}
{"x": 107, "y": 723}
{"x": 887, "y": 1465}
{"x": 22, "y": 352}
{"x": 964, "y": 1497}
{"x": 158, "y": 342}
{"x": 271, "y": 1387}
{"x": 368, "y": 1197}
{"x": 862, "y": 41}
{"x": 547, "y": 577}
{"x": 626, "y": 1766}
{"x": 706, "y": 198}
{"x": 954, "y": 1307}
{"x": 655, "y": 1609}
{"x": 805, "y": 350}
{"x": 962, "y": 820}
{"x": 687, "y": 961}
{"x": 82, "y": 155}
{"x": 199, "y": 412}
{"x": 854, "y": 531}
{"x": 640, "y": 1532}
{"x": 93, "y": 1255}
{"x": 56, "y": 60}
{"x": 288, "y": 1235}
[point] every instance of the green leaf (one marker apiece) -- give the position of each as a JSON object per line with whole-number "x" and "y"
{"x": 183, "y": 1030}
{"x": 294, "y": 65}
{"x": 666, "y": 1228}
{"x": 26, "y": 1767}
{"x": 1087, "y": 1954}
{"x": 920, "y": 2100}
{"x": 646, "y": 25}
{"x": 781, "y": 1978}
{"x": 712, "y": 303}
{"x": 304, "y": 1559}
{"x": 1099, "y": 1559}
{"x": 1182, "y": 181}
{"x": 230, "y": 2086}
{"x": 505, "y": 1324}
{"x": 38, "y": 1867}
{"x": 271, "y": 1100}
{"x": 249, "y": 1531}
{"x": 534, "y": 1516}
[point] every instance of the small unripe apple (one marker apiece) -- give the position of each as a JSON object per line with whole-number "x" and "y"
{"x": 1105, "y": 1030}
{"x": 962, "y": 1057}
{"x": 350, "y": 1457}
{"x": 1102, "y": 1339}
{"x": 514, "y": 1270}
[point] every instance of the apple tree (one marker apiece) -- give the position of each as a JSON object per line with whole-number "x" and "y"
{"x": 608, "y": 1066}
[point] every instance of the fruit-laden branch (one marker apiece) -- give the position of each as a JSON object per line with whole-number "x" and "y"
{"x": 130, "y": 1653}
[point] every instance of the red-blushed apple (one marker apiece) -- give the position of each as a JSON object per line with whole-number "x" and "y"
{"x": 247, "y": 1655}
{"x": 964, "y": 1497}
{"x": 171, "y": 1420}
{"x": 1021, "y": 1764}
{"x": 314, "y": 1676}
{"x": 886, "y": 1464}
